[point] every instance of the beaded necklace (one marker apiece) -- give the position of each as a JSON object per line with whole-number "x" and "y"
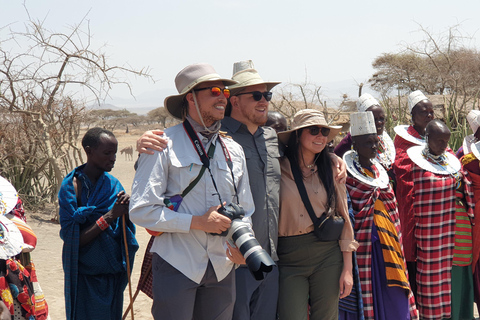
{"x": 383, "y": 153}
{"x": 441, "y": 161}
{"x": 359, "y": 167}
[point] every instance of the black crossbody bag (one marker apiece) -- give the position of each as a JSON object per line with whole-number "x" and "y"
{"x": 325, "y": 228}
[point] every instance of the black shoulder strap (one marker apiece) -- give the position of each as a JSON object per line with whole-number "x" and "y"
{"x": 206, "y": 160}
{"x": 297, "y": 175}
{"x": 197, "y": 144}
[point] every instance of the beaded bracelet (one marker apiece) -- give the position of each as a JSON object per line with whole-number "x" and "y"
{"x": 102, "y": 224}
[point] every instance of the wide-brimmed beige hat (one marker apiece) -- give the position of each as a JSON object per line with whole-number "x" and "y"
{"x": 186, "y": 80}
{"x": 307, "y": 118}
{"x": 246, "y": 75}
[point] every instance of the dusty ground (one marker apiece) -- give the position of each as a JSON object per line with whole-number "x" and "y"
{"x": 48, "y": 254}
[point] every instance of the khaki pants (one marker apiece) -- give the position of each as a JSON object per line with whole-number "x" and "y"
{"x": 309, "y": 272}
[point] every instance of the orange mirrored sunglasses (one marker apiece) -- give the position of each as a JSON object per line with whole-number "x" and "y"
{"x": 216, "y": 91}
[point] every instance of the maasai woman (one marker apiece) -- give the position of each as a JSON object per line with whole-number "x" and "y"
{"x": 21, "y": 296}
{"x": 473, "y": 119}
{"x": 471, "y": 164}
{"x": 386, "y": 150}
{"x": 443, "y": 211}
{"x": 383, "y": 277}
{"x": 407, "y": 136}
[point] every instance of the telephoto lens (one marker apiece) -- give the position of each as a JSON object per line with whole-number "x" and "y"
{"x": 258, "y": 260}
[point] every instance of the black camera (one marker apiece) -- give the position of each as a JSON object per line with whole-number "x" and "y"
{"x": 241, "y": 235}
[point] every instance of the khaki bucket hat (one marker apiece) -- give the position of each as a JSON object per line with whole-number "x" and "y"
{"x": 307, "y": 118}
{"x": 186, "y": 80}
{"x": 246, "y": 75}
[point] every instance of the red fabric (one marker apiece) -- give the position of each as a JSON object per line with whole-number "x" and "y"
{"x": 363, "y": 197}
{"x": 18, "y": 211}
{"x": 402, "y": 168}
{"x": 475, "y": 179}
{"x": 145, "y": 283}
{"x": 434, "y": 210}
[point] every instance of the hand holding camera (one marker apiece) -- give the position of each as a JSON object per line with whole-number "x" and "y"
{"x": 212, "y": 221}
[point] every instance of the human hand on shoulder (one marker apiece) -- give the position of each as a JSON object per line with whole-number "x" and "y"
{"x": 341, "y": 172}
{"x": 212, "y": 221}
{"x": 151, "y": 140}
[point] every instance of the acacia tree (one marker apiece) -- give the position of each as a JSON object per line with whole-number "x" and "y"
{"x": 440, "y": 64}
{"x": 160, "y": 115}
{"x": 40, "y": 72}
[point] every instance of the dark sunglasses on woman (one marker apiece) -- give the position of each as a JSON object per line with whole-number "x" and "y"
{"x": 314, "y": 131}
{"x": 216, "y": 91}
{"x": 257, "y": 95}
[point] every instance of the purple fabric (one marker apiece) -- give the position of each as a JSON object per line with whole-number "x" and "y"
{"x": 344, "y": 145}
{"x": 390, "y": 303}
{"x": 344, "y": 315}
{"x": 459, "y": 153}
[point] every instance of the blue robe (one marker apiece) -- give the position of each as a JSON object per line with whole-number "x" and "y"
{"x": 96, "y": 274}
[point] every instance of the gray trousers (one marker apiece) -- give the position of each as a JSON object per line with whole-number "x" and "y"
{"x": 256, "y": 300}
{"x": 177, "y": 297}
{"x": 309, "y": 270}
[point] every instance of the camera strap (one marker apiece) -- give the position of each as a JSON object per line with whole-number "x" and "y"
{"x": 197, "y": 144}
{"x": 297, "y": 175}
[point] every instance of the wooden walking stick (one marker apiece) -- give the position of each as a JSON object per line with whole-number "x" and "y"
{"x": 128, "y": 263}
{"x": 145, "y": 274}
{"x": 130, "y": 306}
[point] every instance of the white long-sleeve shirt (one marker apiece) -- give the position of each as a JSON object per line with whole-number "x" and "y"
{"x": 168, "y": 173}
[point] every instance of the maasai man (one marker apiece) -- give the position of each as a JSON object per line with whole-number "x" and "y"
{"x": 442, "y": 207}
{"x": 386, "y": 150}
{"x": 277, "y": 121}
{"x": 92, "y": 203}
{"x": 383, "y": 277}
{"x": 473, "y": 118}
{"x": 421, "y": 110}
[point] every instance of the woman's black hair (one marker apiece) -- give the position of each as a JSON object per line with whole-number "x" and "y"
{"x": 323, "y": 162}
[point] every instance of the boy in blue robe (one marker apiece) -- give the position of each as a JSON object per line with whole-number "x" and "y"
{"x": 92, "y": 203}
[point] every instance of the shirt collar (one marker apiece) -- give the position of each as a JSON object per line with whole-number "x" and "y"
{"x": 234, "y": 126}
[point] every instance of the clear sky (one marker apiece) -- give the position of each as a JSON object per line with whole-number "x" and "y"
{"x": 327, "y": 41}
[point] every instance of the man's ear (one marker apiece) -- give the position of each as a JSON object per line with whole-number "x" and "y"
{"x": 88, "y": 150}
{"x": 189, "y": 98}
{"x": 234, "y": 101}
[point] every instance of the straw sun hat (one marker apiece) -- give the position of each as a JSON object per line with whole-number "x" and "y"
{"x": 246, "y": 75}
{"x": 186, "y": 80}
{"x": 307, "y": 118}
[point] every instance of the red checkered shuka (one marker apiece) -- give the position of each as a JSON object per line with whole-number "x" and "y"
{"x": 434, "y": 209}
{"x": 402, "y": 167}
{"x": 363, "y": 197}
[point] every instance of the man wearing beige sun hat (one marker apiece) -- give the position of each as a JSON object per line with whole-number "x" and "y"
{"x": 193, "y": 274}
{"x": 248, "y": 112}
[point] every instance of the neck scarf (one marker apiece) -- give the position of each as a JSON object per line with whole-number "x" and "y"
{"x": 207, "y": 132}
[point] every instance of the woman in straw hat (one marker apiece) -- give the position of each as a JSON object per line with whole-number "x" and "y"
{"x": 384, "y": 285}
{"x": 310, "y": 269}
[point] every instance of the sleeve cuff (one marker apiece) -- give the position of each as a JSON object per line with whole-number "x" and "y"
{"x": 348, "y": 245}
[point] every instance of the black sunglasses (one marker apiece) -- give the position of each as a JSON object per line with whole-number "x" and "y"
{"x": 314, "y": 131}
{"x": 257, "y": 95}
